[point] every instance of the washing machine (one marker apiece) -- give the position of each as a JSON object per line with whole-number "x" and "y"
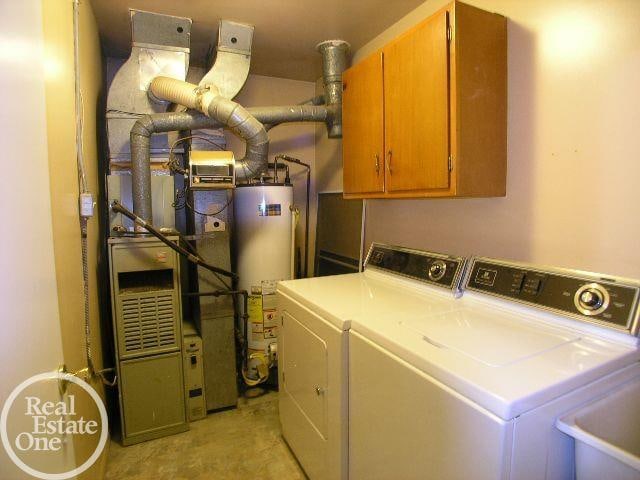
{"x": 475, "y": 391}
{"x": 313, "y": 347}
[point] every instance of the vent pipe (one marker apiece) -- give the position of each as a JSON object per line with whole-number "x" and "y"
{"x": 224, "y": 111}
{"x": 251, "y": 124}
{"x": 334, "y": 62}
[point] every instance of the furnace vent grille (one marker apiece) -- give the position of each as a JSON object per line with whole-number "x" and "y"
{"x": 148, "y": 324}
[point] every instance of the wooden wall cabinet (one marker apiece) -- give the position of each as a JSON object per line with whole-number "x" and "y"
{"x": 426, "y": 116}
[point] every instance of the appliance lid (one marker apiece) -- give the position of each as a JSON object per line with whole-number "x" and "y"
{"x": 492, "y": 338}
{"x": 505, "y": 361}
{"x": 372, "y": 294}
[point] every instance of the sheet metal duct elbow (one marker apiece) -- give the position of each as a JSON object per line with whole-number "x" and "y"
{"x": 233, "y": 59}
{"x": 160, "y": 46}
{"x": 247, "y": 123}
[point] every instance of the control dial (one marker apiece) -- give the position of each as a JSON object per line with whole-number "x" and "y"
{"x": 591, "y": 299}
{"x": 437, "y": 270}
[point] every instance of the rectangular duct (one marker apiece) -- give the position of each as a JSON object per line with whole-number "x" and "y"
{"x": 160, "y": 46}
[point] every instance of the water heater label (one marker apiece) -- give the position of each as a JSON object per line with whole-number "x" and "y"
{"x": 269, "y": 210}
{"x": 270, "y": 324}
{"x": 269, "y": 287}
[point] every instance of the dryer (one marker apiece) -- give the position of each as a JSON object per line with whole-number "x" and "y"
{"x": 313, "y": 347}
{"x": 475, "y": 391}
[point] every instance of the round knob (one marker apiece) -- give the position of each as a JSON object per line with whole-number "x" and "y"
{"x": 437, "y": 270}
{"x": 591, "y": 299}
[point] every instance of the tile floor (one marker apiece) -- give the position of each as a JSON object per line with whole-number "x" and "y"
{"x": 235, "y": 444}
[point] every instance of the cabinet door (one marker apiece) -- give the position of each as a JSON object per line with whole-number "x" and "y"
{"x": 416, "y": 92}
{"x": 363, "y": 127}
{"x": 152, "y": 390}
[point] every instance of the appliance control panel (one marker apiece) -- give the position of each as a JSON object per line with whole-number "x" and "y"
{"x": 432, "y": 268}
{"x": 599, "y": 299}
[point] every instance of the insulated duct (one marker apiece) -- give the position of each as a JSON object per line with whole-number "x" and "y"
{"x": 251, "y": 124}
{"x": 224, "y": 111}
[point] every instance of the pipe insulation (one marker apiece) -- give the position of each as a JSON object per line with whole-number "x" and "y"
{"x": 251, "y": 124}
{"x": 148, "y": 125}
{"x": 226, "y": 112}
{"x": 140, "y": 139}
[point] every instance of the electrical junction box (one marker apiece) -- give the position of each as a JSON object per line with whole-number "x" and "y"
{"x": 193, "y": 375}
{"x": 211, "y": 169}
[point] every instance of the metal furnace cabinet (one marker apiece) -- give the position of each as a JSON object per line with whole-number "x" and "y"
{"x": 312, "y": 361}
{"x": 147, "y": 325}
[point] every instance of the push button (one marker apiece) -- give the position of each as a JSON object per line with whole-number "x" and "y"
{"x": 516, "y": 284}
{"x": 532, "y": 286}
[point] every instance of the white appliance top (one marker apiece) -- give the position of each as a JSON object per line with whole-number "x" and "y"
{"x": 341, "y": 298}
{"x": 395, "y": 280}
{"x": 505, "y": 356}
{"x": 507, "y": 360}
{"x": 490, "y": 346}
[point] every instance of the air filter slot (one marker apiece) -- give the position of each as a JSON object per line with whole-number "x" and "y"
{"x": 145, "y": 281}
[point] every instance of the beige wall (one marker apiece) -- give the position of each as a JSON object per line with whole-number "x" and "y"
{"x": 60, "y": 113}
{"x": 574, "y": 111}
{"x": 294, "y": 139}
{"x": 328, "y": 170}
{"x": 31, "y": 341}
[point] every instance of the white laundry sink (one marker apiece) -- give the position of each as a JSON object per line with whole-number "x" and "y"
{"x": 607, "y": 435}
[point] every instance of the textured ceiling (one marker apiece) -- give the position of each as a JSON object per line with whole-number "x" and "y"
{"x": 286, "y": 31}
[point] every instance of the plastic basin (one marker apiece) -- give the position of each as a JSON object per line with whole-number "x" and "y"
{"x": 607, "y": 435}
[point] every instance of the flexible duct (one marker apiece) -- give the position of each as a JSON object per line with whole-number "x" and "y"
{"x": 140, "y": 138}
{"x": 247, "y": 123}
{"x": 225, "y": 111}
{"x": 175, "y": 121}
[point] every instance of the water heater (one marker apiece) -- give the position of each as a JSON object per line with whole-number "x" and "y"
{"x": 264, "y": 231}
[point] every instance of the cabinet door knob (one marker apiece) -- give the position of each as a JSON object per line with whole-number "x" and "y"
{"x": 319, "y": 391}
{"x": 389, "y": 155}
{"x": 377, "y": 157}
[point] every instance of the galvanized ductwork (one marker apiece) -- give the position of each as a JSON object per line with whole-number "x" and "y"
{"x": 233, "y": 58}
{"x": 334, "y": 62}
{"x": 247, "y": 123}
{"x": 160, "y": 46}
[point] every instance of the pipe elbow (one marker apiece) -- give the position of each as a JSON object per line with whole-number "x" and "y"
{"x": 143, "y": 127}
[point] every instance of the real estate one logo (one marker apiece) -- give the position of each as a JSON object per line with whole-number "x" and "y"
{"x": 38, "y": 426}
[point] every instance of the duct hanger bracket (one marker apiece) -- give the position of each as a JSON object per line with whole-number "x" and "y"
{"x": 235, "y": 37}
